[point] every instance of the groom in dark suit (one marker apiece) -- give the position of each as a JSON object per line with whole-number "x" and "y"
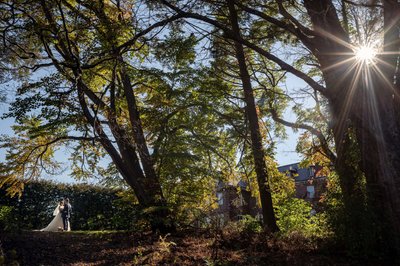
{"x": 66, "y": 213}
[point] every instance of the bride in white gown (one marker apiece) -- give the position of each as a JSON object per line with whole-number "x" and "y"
{"x": 57, "y": 223}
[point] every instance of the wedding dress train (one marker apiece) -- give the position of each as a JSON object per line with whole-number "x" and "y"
{"x": 57, "y": 223}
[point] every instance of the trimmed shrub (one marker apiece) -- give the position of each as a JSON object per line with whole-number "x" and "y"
{"x": 93, "y": 207}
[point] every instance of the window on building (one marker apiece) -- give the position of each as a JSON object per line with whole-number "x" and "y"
{"x": 259, "y": 217}
{"x": 310, "y": 192}
{"x": 312, "y": 171}
{"x": 241, "y": 200}
{"x": 220, "y": 198}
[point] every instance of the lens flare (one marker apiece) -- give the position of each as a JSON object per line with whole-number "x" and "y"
{"x": 365, "y": 54}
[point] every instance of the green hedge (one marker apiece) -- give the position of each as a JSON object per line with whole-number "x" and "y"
{"x": 93, "y": 207}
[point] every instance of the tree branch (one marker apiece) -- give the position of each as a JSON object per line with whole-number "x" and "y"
{"x": 324, "y": 143}
{"x": 231, "y": 35}
{"x": 298, "y": 30}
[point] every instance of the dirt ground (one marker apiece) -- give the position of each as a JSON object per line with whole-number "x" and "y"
{"x": 186, "y": 248}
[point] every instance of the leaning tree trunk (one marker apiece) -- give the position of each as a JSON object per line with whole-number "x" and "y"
{"x": 256, "y": 139}
{"x": 147, "y": 188}
{"x": 156, "y": 208}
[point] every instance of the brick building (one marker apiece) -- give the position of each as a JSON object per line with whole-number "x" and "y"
{"x": 234, "y": 201}
{"x": 310, "y": 183}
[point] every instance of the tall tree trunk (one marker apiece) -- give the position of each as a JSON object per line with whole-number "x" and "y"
{"x": 388, "y": 87}
{"x": 157, "y": 210}
{"x": 379, "y": 138}
{"x": 256, "y": 139}
{"x": 354, "y": 222}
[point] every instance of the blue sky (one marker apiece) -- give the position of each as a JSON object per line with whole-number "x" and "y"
{"x": 286, "y": 149}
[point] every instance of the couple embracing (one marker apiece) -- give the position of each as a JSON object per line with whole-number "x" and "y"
{"x": 62, "y": 214}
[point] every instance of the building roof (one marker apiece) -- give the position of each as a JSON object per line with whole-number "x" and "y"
{"x": 299, "y": 174}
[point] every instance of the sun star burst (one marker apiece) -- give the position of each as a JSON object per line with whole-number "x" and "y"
{"x": 365, "y": 54}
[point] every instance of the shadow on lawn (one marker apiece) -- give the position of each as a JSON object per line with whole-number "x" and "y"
{"x": 75, "y": 248}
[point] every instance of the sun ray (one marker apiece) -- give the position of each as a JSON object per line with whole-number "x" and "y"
{"x": 390, "y": 53}
{"x": 349, "y": 100}
{"x": 382, "y": 62}
{"x": 335, "y": 39}
{"x": 343, "y": 62}
{"x": 387, "y": 82}
{"x": 347, "y": 72}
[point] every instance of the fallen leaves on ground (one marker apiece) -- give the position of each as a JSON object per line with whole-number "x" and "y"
{"x": 184, "y": 248}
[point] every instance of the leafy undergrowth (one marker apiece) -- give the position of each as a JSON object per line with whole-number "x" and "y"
{"x": 184, "y": 248}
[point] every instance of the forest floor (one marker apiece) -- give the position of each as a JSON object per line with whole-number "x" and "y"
{"x": 186, "y": 248}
